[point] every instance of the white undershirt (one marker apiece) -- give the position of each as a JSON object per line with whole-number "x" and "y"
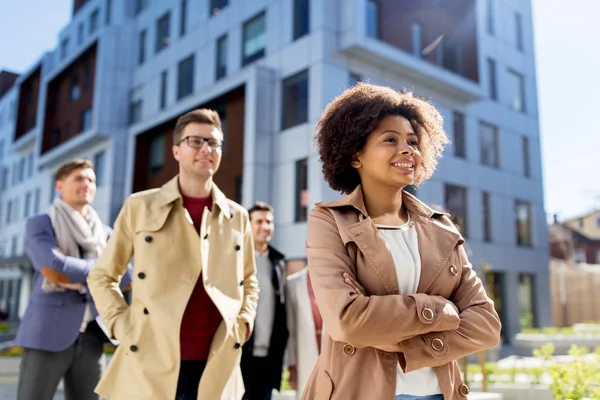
{"x": 403, "y": 244}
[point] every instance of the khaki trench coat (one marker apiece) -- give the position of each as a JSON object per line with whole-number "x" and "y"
{"x": 169, "y": 257}
{"x": 368, "y": 334}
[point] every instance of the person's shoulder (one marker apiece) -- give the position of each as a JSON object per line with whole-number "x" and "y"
{"x": 144, "y": 196}
{"x": 237, "y": 211}
{"x": 39, "y": 221}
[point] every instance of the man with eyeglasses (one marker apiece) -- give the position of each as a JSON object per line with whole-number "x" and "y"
{"x": 195, "y": 287}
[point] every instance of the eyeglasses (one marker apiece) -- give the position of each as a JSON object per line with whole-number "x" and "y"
{"x": 196, "y": 142}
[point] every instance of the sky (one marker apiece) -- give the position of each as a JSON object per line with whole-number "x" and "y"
{"x": 566, "y": 36}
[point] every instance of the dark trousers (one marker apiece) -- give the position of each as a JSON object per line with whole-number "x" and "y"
{"x": 190, "y": 373}
{"x": 257, "y": 379}
{"x": 80, "y": 366}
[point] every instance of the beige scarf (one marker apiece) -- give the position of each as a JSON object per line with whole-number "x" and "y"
{"x": 74, "y": 231}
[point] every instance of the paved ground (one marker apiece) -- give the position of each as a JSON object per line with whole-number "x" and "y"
{"x": 9, "y": 372}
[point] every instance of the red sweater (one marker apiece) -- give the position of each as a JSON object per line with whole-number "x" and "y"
{"x": 201, "y": 318}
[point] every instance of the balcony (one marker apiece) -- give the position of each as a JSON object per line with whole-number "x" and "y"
{"x": 431, "y": 42}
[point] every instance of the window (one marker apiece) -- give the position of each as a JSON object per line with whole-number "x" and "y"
{"x": 492, "y": 87}
{"x": 451, "y": 55}
{"x": 301, "y": 190}
{"x": 86, "y": 119}
{"x": 458, "y": 121}
{"x": 27, "y": 209}
{"x": 255, "y": 39}
{"x": 598, "y": 222}
{"x": 597, "y": 256}
{"x": 163, "y": 90}
{"x": 526, "y": 164}
{"x": 36, "y": 201}
{"x": 100, "y": 167}
{"x": 9, "y": 211}
{"x": 162, "y": 32}
{"x": 4, "y": 183}
{"x": 519, "y": 31}
{"x": 301, "y": 18}
{"x": 526, "y": 301}
{"x": 68, "y": 130}
{"x": 55, "y": 138}
{"x": 80, "y": 34}
{"x": 417, "y": 41}
{"x": 94, "y": 21}
{"x": 488, "y": 141}
{"x": 142, "y": 47}
{"x": 183, "y": 18}
{"x": 485, "y": 208}
{"x": 373, "y": 12}
{"x": 140, "y": 5}
{"x": 30, "y": 161}
{"x": 295, "y": 100}
{"x": 13, "y": 253}
{"x": 523, "y": 223}
{"x": 185, "y": 77}
{"x": 13, "y": 110}
{"x": 86, "y": 75}
{"x": 75, "y": 92}
{"x": 64, "y": 48}
{"x": 157, "y": 154}
{"x": 516, "y": 90}
{"x": 455, "y": 200}
{"x": 490, "y": 25}
{"x": 354, "y": 78}
{"x": 108, "y": 12}
{"x": 53, "y": 189}
{"x": 580, "y": 256}
{"x": 221, "y": 67}
{"x": 22, "y": 169}
{"x": 135, "y": 111}
{"x": 217, "y": 5}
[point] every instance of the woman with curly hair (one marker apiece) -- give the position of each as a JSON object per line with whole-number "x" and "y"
{"x": 400, "y": 301}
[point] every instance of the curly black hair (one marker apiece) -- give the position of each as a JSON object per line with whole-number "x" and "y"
{"x": 348, "y": 120}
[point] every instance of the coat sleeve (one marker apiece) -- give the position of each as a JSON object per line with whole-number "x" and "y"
{"x": 291, "y": 310}
{"x": 365, "y": 321}
{"x": 479, "y": 327}
{"x": 248, "y": 310}
{"x": 113, "y": 264}
{"x": 127, "y": 278}
{"x": 42, "y": 249}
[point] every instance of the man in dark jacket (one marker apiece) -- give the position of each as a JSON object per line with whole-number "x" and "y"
{"x": 262, "y": 356}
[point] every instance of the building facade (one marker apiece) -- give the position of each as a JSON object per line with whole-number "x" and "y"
{"x": 124, "y": 71}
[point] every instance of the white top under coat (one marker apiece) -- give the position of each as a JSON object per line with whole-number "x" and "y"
{"x": 403, "y": 243}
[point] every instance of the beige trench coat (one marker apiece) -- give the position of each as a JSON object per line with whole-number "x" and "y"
{"x": 169, "y": 257}
{"x": 368, "y": 334}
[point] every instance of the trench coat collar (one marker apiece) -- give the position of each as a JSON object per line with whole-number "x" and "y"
{"x": 169, "y": 193}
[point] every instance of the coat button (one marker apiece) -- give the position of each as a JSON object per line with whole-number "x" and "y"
{"x": 146, "y": 311}
{"x": 148, "y": 239}
{"x": 141, "y": 275}
{"x": 437, "y": 344}
{"x": 241, "y": 283}
{"x": 453, "y": 270}
{"x": 237, "y": 247}
{"x": 133, "y": 348}
{"x": 428, "y": 314}
{"x": 206, "y": 236}
{"x": 464, "y": 390}
{"x": 349, "y": 349}
{"x": 237, "y": 346}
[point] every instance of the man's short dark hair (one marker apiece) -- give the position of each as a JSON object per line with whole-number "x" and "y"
{"x": 199, "y": 116}
{"x": 260, "y": 206}
{"x": 66, "y": 169}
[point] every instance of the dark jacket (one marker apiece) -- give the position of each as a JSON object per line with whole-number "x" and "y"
{"x": 279, "y": 335}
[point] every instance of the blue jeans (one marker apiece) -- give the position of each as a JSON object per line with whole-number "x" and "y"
{"x": 410, "y": 397}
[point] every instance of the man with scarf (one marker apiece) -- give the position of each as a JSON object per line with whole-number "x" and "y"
{"x": 60, "y": 332}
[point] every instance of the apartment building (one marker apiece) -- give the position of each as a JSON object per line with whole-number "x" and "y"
{"x": 124, "y": 71}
